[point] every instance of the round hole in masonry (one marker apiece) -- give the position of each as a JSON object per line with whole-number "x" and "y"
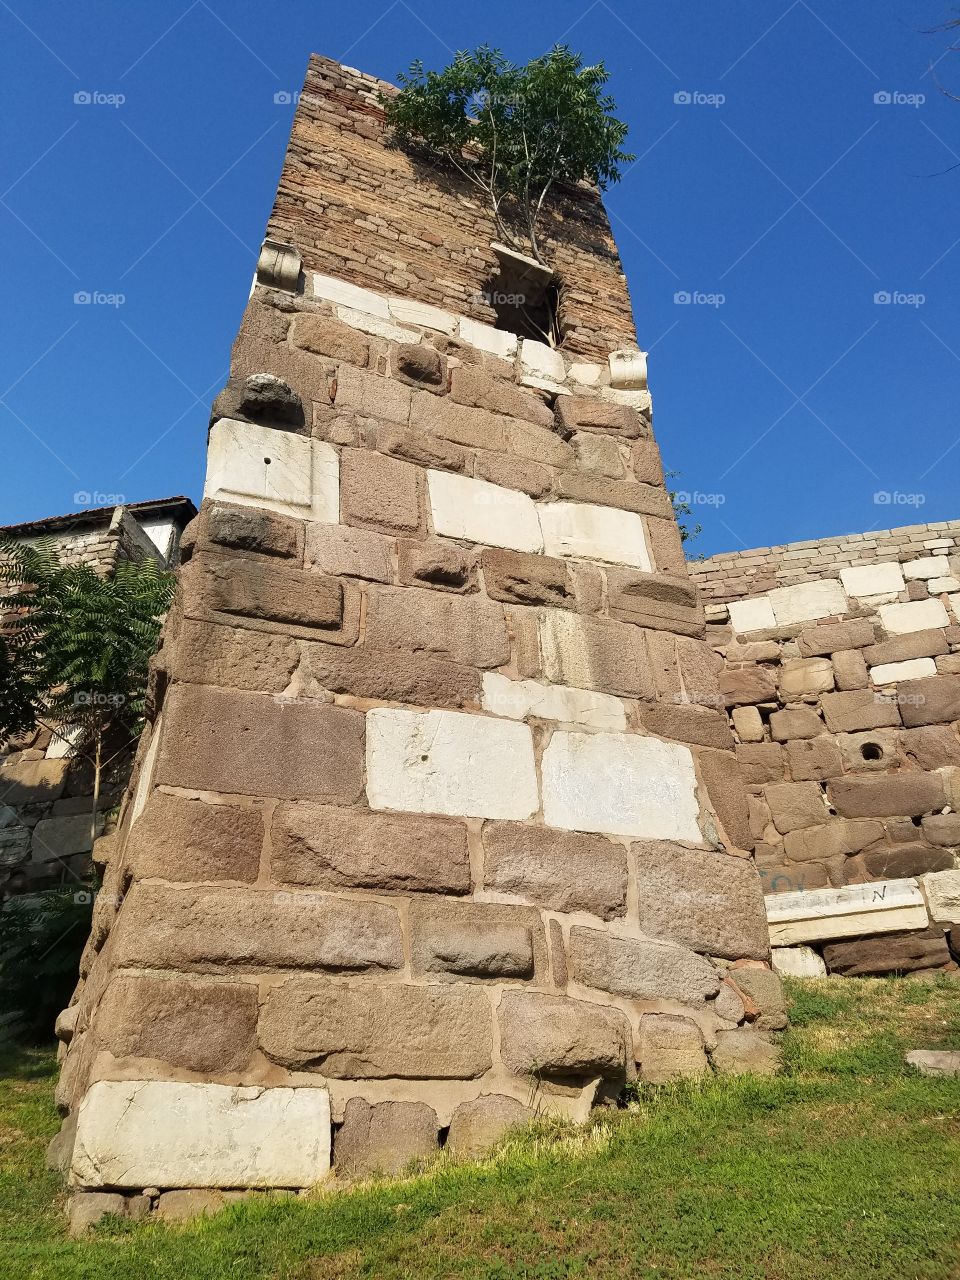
{"x": 267, "y": 461}
{"x": 871, "y": 751}
{"x": 916, "y": 821}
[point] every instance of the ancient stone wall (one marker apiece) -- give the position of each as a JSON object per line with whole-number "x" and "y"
{"x": 843, "y": 692}
{"x": 436, "y": 824}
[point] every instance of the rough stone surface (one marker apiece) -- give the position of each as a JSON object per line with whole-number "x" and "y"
{"x": 892, "y": 953}
{"x": 141, "y": 1133}
{"x": 523, "y": 699}
{"x": 556, "y": 869}
{"x": 744, "y": 1052}
{"x": 87, "y": 1208}
{"x": 179, "y": 839}
{"x": 333, "y": 847}
{"x": 475, "y": 940}
{"x": 594, "y": 653}
{"x": 710, "y": 902}
{"x": 764, "y": 989}
{"x": 353, "y": 553}
{"x": 935, "y": 1062}
{"x": 449, "y": 763}
{"x": 465, "y": 629}
{"x": 384, "y": 1138}
{"x": 911, "y": 794}
{"x": 640, "y": 970}
{"x": 553, "y": 1036}
{"x": 521, "y": 578}
{"x": 440, "y": 1032}
{"x": 670, "y": 1048}
{"x": 942, "y": 891}
{"x": 620, "y": 784}
{"x": 478, "y": 1125}
{"x": 797, "y": 962}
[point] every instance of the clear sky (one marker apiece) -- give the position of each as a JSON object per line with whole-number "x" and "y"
{"x": 794, "y": 167}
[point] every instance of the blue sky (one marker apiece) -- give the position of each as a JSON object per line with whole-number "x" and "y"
{"x": 775, "y": 192}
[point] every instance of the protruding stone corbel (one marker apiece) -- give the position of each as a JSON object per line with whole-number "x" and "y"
{"x": 279, "y": 265}
{"x": 628, "y": 370}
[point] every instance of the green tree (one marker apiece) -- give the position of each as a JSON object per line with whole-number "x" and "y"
{"x": 75, "y": 648}
{"x": 513, "y": 132}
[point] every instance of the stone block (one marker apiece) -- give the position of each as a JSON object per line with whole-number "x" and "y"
{"x": 56, "y": 838}
{"x": 252, "y": 744}
{"x": 670, "y": 1048}
{"x": 807, "y": 601}
{"x": 859, "y": 709}
{"x": 379, "y": 492}
{"x": 834, "y": 637}
{"x": 475, "y": 940}
{"x": 684, "y": 723}
{"x": 805, "y": 677}
{"x": 850, "y": 670}
{"x": 926, "y": 567}
{"x": 794, "y": 723}
{"x": 392, "y": 675}
{"x": 86, "y": 1209}
{"x": 234, "y": 657}
{"x": 24, "y": 782}
{"x": 600, "y": 455}
{"x": 935, "y": 1062}
{"x": 278, "y": 470}
{"x": 254, "y": 532}
{"x": 372, "y": 396}
{"x": 943, "y": 829}
{"x": 627, "y": 495}
{"x": 893, "y": 795}
{"x": 761, "y": 762}
{"x": 353, "y": 553}
{"x": 932, "y": 747}
{"x": 640, "y": 969}
{"x": 583, "y": 413}
{"x": 942, "y": 890}
{"x": 554, "y": 1036}
{"x": 917, "y": 644}
{"x": 833, "y": 839}
{"x": 409, "y": 311}
{"x": 486, "y": 338}
{"x": 594, "y": 533}
{"x": 723, "y": 780}
{"x": 795, "y": 805}
{"x": 419, "y": 363}
{"x": 654, "y": 600}
{"x": 741, "y": 686}
{"x": 814, "y": 759}
{"x": 384, "y": 1138}
{"x": 792, "y": 878}
{"x": 479, "y": 1124}
{"x": 480, "y": 512}
{"x": 915, "y": 615}
{"x": 898, "y": 861}
{"x": 647, "y": 466}
{"x": 478, "y": 389}
{"x": 537, "y": 444}
{"x": 797, "y": 962}
{"x": 513, "y": 472}
{"x": 330, "y": 289}
{"x": 342, "y": 848}
{"x": 557, "y": 870}
{"x": 872, "y": 579}
{"x": 744, "y": 1052}
{"x": 435, "y": 563}
{"x": 324, "y": 337}
{"x": 893, "y": 953}
{"x": 524, "y": 699}
{"x": 199, "y": 1026}
{"x": 179, "y": 839}
{"x": 186, "y": 1206}
{"x": 594, "y": 653}
{"x": 463, "y": 629}
{"x": 208, "y": 929}
{"x": 764, "y": 988}
{"x": 620, "y": 784}
{"x": 521, "y": 578}
{"x": 914, "y": 669}
{"x": 228, "y": 588}
{"x": 141, "y": 1133}
{"x": 437, "y": 1032}
{"x": 850, "y": 912}
{"x": 710, "y": 902}
{"x": 754, "y": 614}
{"x": 416, "y": 447}
{"x": 935, "y": 700}
{"x": 449, "y": 763}
{"x": 747, "y": 724}
{"x": 439, "y": 416}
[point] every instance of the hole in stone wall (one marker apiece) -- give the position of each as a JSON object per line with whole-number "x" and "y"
{"x": 442, "y": 1136}
{"x": 917, "y": 821}
{"x": 871, "y": 751}
{"x": 525, "y": 296}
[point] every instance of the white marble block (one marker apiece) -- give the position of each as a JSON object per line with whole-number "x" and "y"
{"x": 280, "y": 470}
{"x": 620, "y": 784}
{"x": 797, "y": 962}
{"x": 518, "y": 699}
{"x": 755, "y": 614}
{"x": 594, "y": 533}
{"x": 807, "y": 601}
{"x": 478, "y": 511}
{"x": 872, "y": 579}
{"x": 915, "y": 615}
{"x": 167, "y": 1133}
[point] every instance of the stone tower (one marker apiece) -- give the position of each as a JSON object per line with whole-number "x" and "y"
{"x": 436, "y": 823}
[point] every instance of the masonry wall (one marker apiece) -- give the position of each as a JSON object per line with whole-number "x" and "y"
{"x": 842, "y": 683}
{"x": 437, "y": 824}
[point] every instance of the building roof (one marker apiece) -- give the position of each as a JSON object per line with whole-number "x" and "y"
{"x": 179, "y": 509}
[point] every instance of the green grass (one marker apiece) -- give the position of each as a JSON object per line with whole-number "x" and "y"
{"x": 846, "y": 1166}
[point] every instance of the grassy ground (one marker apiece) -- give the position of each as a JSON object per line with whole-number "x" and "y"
{"x": 846, "y": 1166}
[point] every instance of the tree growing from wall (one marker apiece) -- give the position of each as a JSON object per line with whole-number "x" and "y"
{"x": 514, "y": 132}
